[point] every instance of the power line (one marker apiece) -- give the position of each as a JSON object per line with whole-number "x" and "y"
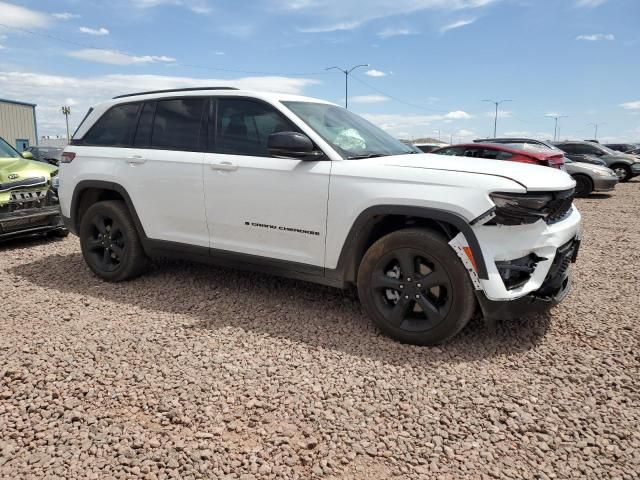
{"x": 399, "y": 100}
{"x": 130, "y": 55}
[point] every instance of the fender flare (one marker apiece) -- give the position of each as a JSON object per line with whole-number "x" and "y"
{"x": 84, "y": 185}
{"x": 357, "y": 234}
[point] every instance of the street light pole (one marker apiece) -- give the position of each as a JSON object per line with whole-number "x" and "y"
{"x": 555, "y": 130}
{"x": 495, "y": 121}
{"x": 346, "y": 72}
{"x": 66, "y": 111}
{"x": 595, "y": 136}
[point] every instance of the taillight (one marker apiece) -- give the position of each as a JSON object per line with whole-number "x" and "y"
{"x": 67, "y": 157}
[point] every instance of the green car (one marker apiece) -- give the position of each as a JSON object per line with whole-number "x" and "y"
{"x": 28, "y": 196}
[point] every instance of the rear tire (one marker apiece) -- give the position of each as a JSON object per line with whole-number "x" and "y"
{"x": 584, "y": 185}
{"x": 110, "y": 243}
{"x": 622, "y": 171}
{"x": 414, "y": 287}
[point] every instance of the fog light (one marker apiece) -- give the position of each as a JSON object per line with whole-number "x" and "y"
{"x": 515, "y": 273}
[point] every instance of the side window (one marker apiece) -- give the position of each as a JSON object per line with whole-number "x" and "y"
{"x": 586, "y": 150}
{"x": 503, "y": 156}
{"x": 143, "y": 133}
{"x": 115, "y": 127}
{"x": 489, "y": 154}
{"x": 473, "y": 152}
{"x": 176, "y": 125}
{"x": 454, "y": 151}
{"x": 567, "y": 148}
{"x": 244, "y": 126}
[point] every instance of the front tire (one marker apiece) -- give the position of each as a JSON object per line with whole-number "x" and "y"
{"x": 110, "y": 243}
{"x": 414, "y": 287}
{"x": 622, "y": 171}
{"x": 584, "y": 185}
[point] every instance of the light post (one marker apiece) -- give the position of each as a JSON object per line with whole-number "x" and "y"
{"x": 596, "y": 125}
{"x": 495, "y": 121}
{"x": 556, "y": 131}
{"x": 66, "y": 111}
{"x": 346, "y": 80}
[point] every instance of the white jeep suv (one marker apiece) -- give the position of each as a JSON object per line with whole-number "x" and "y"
{"x": 299, "y": 187}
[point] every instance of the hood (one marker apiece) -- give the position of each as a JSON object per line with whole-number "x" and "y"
{"x": 622, "y": 156}
{"x": 575, "y": 167}
{"x": 16, "y": 169}
{"x": 531, "y": 177}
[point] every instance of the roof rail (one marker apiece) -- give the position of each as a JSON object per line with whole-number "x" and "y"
{"x": 190, "y": 89}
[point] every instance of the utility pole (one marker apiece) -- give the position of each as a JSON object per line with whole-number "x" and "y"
{"x": 438, "y": 130}
{"x": 556, "y": 131}
{"x": 595, "y": 136}
{"x": 66, "y": 111}
{"x": 495, "y": 121}
{"x": 346, "y": 72}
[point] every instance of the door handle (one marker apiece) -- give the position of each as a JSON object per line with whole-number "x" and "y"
{"x": 224, "y": 166}
{"x": 136, "y": 160}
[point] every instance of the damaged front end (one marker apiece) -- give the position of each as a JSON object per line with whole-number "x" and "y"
{"x": 29, "y": 206}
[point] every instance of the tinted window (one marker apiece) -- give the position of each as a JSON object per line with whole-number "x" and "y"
{"x": 244, "y": 126}
{"x": 567, "y": 148}
{"x": 473, "y": 152}
{"x": 176, "y": 124}
{"x": 115, "y": 127}
{"x": 143, "y": 133}
{"x": 584, "y": 149}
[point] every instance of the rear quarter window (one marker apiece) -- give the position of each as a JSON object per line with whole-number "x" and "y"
{"x": 115, "y": 128}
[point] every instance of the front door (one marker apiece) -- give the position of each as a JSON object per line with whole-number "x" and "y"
{"x": 257, "y": 204}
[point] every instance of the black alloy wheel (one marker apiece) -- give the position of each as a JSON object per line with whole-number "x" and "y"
{"x": 110, "y": 243}
{"x": 415, "y": 288}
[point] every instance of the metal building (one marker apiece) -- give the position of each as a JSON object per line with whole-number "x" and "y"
{"x": 18, "y": 123}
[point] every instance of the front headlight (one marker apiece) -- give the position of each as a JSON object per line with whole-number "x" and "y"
{"x": 603, "y": 173}
{"x": 520, "y": 208}
{"x": 526, "y": 208}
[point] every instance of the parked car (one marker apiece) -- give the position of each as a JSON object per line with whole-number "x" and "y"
{"x": 519, "y": 142}
{"x": 590, "y": 178}
{"x": 495, "y": 151}
{"x": 635, "y": 151}
{"x": 621, "y": 147}
{"x": 28, "y": 198}
{"x": 50, "y": 155}
{"x": 300, "y": 187}
{"x": 625, "y": 166}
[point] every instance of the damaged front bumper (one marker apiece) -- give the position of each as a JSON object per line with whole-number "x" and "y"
{"x": 30, "y": 213}
{"x": 554, "y": 290}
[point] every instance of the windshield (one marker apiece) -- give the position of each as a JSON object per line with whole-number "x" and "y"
{"x": 350, "y": 135}
{"x": 7, "y": 150}
{"x": 608, "y": 150}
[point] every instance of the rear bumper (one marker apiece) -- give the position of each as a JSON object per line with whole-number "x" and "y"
{"x": 604, "y": 184}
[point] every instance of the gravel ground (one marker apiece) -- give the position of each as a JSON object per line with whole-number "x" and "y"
{"x": 198, "y": 372}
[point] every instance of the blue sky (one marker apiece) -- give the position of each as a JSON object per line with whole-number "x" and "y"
{"x": 432, "y": 62}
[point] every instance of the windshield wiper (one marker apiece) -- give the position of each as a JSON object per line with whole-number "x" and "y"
{"x": 368, "y": 155}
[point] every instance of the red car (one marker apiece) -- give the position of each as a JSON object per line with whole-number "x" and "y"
{"x": 494, "y": 151}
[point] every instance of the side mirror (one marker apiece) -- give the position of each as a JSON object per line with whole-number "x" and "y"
{"x": 292, "y": 145}
{"x": 27, "y": 155}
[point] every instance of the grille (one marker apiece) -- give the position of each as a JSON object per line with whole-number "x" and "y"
{"x": 560, "y": 207}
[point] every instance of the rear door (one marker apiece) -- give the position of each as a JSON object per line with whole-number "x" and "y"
{"x": 162, "y": 170}
{"x": 257, "y": 204}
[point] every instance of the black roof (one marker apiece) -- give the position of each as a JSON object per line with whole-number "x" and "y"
{"x": 170, "y": 90}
